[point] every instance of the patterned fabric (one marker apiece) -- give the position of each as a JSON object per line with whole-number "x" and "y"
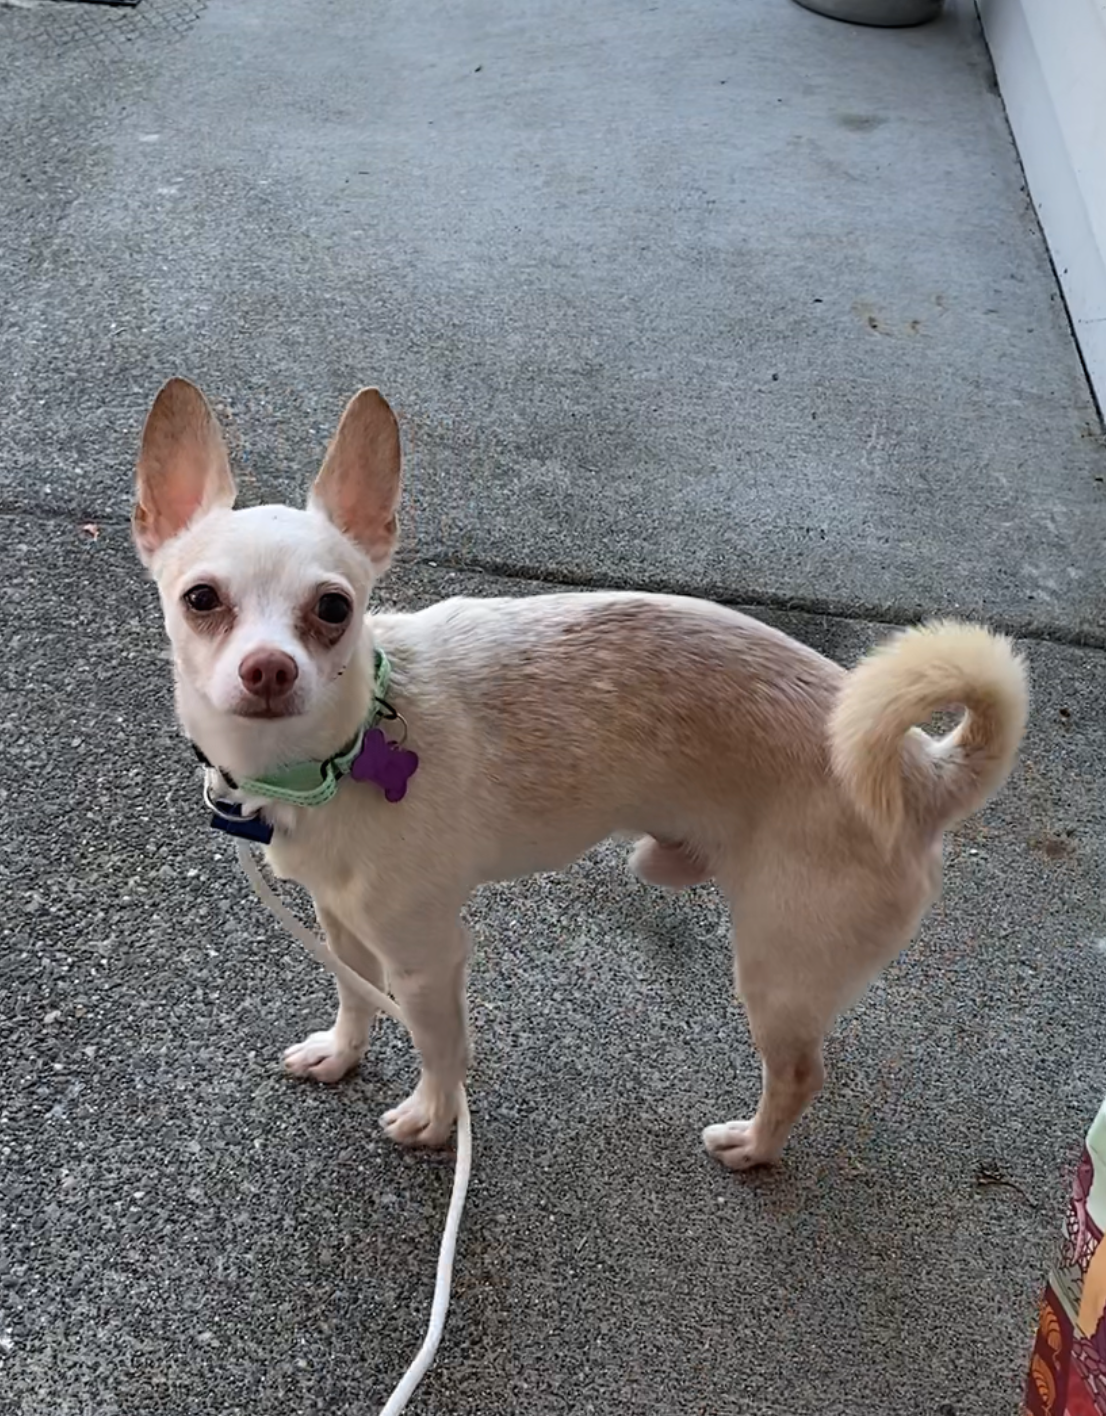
{"x": 1067, "y": 1372}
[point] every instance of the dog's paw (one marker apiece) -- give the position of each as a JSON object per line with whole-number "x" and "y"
{"x": 738, "y": 1146}
{"x": 324, "y": 1056}
{"x": 424, "y": 1119}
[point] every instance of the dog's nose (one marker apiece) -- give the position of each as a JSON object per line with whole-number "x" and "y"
{"x": 268, "y": 673}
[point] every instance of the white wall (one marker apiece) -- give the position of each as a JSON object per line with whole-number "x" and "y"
{"x": 1050, "y": 56}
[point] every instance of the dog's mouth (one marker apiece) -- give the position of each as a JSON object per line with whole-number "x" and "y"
{"x": 267, "y": 712}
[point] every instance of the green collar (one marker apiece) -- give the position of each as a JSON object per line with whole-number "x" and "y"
{"x": 315, "y": 783}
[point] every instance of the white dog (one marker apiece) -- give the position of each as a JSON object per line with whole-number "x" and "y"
{"x": 398, "y": 761}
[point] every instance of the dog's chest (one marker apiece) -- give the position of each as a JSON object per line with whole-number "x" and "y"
{"x": 345, "y": 853}
{"x": 312, "y": 848}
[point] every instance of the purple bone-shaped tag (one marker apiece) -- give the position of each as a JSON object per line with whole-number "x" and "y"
{"x": 385, "y": 763}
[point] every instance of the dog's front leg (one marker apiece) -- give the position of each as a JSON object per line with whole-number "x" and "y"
{"x": 328, "y": 1056}
{"x": 431, "y": 993}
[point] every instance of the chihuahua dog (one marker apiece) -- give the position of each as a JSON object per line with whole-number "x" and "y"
{"x": 532, "y": 729}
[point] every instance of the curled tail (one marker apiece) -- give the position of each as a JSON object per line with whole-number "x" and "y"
{"x": 902, "y": 683}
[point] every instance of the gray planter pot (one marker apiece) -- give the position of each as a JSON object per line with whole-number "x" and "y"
{"x": 889, "y": 14}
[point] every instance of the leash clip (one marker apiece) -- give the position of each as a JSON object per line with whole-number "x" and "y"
{"x": 228, "y": 816}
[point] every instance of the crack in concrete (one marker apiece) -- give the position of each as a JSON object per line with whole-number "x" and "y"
{"x": 738, "y": 598}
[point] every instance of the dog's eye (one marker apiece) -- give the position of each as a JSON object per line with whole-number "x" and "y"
{"x": 202, "y": 598}
{"x": 333, "y": 608}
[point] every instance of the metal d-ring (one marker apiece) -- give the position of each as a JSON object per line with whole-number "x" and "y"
{"x": 389, "y": 714}
{"x": 215, "y": 806}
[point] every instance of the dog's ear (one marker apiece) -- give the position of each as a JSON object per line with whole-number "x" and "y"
{"x": 183, "y": 468}
{"x": 359, "y": 481}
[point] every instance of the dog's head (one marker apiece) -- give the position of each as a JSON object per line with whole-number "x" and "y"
{"x": 265, "y": 606}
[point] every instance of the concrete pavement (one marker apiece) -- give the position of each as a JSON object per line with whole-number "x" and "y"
{"x": 575, "y": 244}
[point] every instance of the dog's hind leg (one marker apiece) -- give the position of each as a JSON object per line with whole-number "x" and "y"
{"x": 793, "y": 1074}
{"x": 328, "y": 1056}
{"x": 791, "y": 996}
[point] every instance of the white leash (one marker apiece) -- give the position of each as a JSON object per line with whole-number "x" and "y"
{"x": 317, "y": 947}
